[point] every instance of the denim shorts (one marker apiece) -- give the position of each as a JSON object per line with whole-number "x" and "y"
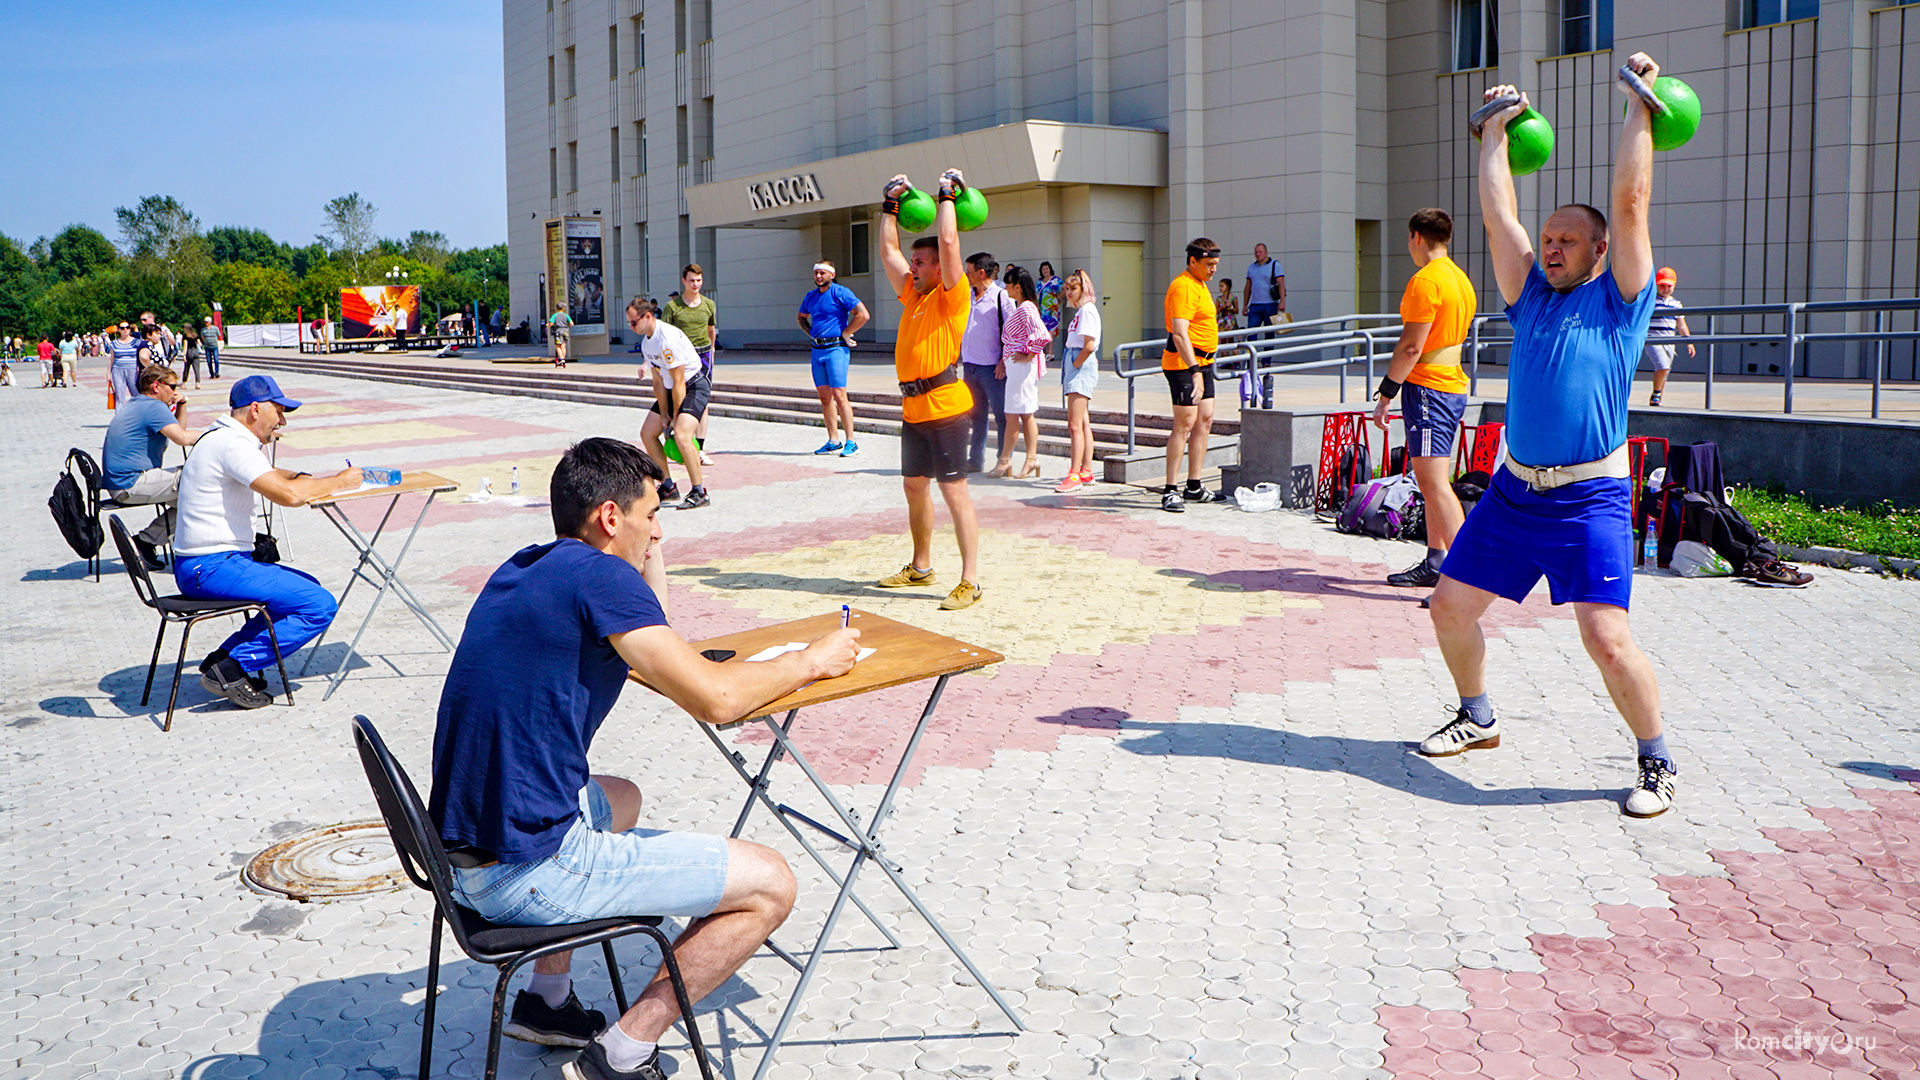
{"x": 600, "y": 874}
{"x": 1080, "y": 380}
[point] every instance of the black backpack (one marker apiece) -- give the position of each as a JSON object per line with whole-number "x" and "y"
{"x": 70, "y": 508}
{"x": 1693, "y": 506}
{"x": 1356, "y": 467}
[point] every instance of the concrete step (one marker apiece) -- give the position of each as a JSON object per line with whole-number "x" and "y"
{"x": 1150, "y": 466}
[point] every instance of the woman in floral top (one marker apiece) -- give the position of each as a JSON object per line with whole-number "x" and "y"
{"x": 1049, "y": 289}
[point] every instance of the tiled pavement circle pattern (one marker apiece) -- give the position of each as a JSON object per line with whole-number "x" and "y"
{"x": 1181, "y": 827}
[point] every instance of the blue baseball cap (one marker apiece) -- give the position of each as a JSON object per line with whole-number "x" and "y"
{"x": 259, "y": 388}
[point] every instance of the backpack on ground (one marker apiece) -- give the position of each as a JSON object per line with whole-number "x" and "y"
{"x": 1354, "y": 470}
{"x": 1693, "y": 507}
{"x": 1379, "y": 507}
{"x": 69, "y": 505}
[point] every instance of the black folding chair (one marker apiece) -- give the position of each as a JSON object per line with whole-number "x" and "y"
{"x": 187, "y": 612}
{"x": 504, "y": 947}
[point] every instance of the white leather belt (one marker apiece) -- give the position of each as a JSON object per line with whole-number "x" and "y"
{"x": 1553, "y": 476}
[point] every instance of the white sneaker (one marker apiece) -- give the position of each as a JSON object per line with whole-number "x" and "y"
{"x": 1461, "y": 735}
{"x": 1653, "y": 795}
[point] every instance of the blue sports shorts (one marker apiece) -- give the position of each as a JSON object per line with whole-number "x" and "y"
{"x": 599, "y": 874}
{"x": 1432, "y": 419}
{"x": 1579, "y": 536}
{"x": 830, "y": 367}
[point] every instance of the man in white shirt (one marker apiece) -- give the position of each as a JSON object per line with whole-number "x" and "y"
{"x": 214, "y": 547}
{"x": 681, "y": 390}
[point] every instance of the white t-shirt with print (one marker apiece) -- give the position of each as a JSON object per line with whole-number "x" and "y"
{"x": 1085, "y": 327}
{"x": 669, "y": 347}
{"x": 216, "y": 493}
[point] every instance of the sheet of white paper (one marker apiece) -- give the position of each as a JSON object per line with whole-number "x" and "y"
{"x": 795, "y": 646}
{"x": 364, "y": 486}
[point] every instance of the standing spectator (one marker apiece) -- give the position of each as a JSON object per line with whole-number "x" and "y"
{"x": 1049, "y": 300}
{"x": 1193, "y": 335}
{"x": 698, "y": 317}
{"x": 210, "y": 344}
{"x": 1079, "y": 373}
{"x": 1266, "y": 292}
{"x": 830, "y": 313}
{"x": 400, "y": 314}
{"x": 131, "y": 458}
{"x": 191, "y": 365}
{"x": 1227, "y": 307}
{"x": 559, "y": 326}
{"x": 1435, "y": 313}
{"x": 48, "y": 374}
{"x": 70, "y": 358}
{"x": 125, "y": 369}
{"x": 495, "y": 325}
{"x": 1023, "y": 359}
{"x": 1665, "y": 325}
{"x": 980, "y": 355}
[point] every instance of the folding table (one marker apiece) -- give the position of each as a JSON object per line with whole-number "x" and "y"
{"x": 903, "y": 654}
{"x": 384, "y": 575}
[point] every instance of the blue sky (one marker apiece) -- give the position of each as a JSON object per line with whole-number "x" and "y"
{"x": 254, "y": 114}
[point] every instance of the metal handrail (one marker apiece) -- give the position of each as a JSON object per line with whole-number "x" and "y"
{"x": 1259, "y": 349}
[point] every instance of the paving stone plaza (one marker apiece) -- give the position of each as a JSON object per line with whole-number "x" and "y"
{"x": 1182, "y": 826}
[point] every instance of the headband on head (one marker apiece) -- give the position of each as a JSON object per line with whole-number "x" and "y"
{"x": 828, "y": 267}
{"x": 1195, "y": 251}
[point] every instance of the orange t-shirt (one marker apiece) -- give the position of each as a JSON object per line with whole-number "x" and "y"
{"x": 1441, "y": 294}
{"x": 928, "y": 344}
{"x": 1188, "y": 298}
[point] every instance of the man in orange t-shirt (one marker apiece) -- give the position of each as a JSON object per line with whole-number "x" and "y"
{"x": 1193, "y": 333}
{"x": 934, "y": 401}
{"x": 1435, "y": 313}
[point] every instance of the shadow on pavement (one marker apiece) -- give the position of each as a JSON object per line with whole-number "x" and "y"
{"x": 1291, "y": 580}
{"x": 76, "y": 571}
{"x": 836, "y": 587}
{"x": 1903, "y": 773}
{"x": 1389, "y": 763}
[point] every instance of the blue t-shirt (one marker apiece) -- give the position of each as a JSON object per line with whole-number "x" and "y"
{"x": 1571, "y": 369}
{"x": 529, "y": 685}
{"x": 829, "y": 310}
{"x": 134, "y": 443}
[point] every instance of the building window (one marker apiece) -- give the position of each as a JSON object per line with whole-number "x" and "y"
{"x": 640, "y": 147}
{"x": 550, "y": 95}
{"x": 646, "y": 261}
{"x": 681, "y": 137}
{"x": 1586, "y": 25}
{"x": 859, "y": 247}
{"x": 639, "y": 36}
{"x": 613, "y": 52}
{"x": 573, "y": 74}
{"x": 1476, "y": 34}
{"x": 1767, "y": 12}
{"x": 553, "y": 173}
{"x": 616, "y": 265}
{"x": 573, "y": 166}
{"x": 613, "y": 155}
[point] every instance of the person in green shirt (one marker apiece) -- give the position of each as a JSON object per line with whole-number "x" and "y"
{"x": 560, "y": 327}
{"x": 698, "y": 317}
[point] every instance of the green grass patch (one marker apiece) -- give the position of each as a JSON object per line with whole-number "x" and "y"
{"x": 1882, "y": 529}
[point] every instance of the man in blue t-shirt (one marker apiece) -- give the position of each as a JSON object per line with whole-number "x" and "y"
{"x": 535, "y": 839}
{"x": 829, "y": 314}
{"x": 1561, "y": 504}
{"x": 130, "y": 461}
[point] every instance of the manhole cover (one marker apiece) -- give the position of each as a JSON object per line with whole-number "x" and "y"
{"x": 353, "y": 859}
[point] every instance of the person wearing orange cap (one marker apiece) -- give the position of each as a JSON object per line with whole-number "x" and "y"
{"x": 1665, "y": 324}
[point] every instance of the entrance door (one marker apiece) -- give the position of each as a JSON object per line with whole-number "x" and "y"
{"x": 1119, "y": 287}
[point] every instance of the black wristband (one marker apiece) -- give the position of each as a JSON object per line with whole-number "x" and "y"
{"x": 890, "y": 205}
{"x": 947, "y": 194}
{"x": 1388, "y": 388}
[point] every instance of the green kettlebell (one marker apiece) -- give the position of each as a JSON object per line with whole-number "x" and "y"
{"x": 970, "y": 209}
{"x": 1672, "y": 129}
{"x": 916, "y": 210}
{"x": 1529, "y": 142}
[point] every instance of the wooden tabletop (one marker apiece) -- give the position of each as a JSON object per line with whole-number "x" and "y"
{"x": 413, "y": 481}
{"x": 903, "y": 654}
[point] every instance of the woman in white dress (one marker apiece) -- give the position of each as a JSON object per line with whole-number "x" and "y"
{"x": 1023, "y": 359}
{"x": 1079, "y": 373}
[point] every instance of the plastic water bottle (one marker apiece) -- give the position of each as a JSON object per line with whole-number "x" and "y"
{"x": 1650, "y": 548}
{"x": 515, "y": 489}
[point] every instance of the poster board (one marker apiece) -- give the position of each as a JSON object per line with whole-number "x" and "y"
{"x": 576, "y": 273}
{"x": 368, "y": 311}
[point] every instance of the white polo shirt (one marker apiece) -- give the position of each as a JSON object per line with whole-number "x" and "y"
{"x": 669, "y": 347}
{"x": 216, "y": 493}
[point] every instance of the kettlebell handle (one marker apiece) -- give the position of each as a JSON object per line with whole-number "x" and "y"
{"x": 1478, "y": 120}
{"x": 1638, "y": 85}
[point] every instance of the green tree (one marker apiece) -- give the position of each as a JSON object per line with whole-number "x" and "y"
{"x": 163, "y": 243}
{"x": 20, "y": 287}
{"x": 92, "y": 302}
{"x": 350, "y": 229}
{"x": 428, "y": 246}
{"x": 486, "y": 262}
{"x": 253, "y": 294}
{"x": 77, "y": 251}
{"x": 231, "y": 243}
{"x": 307, "y": 259}
{"x": 319, "y": 290}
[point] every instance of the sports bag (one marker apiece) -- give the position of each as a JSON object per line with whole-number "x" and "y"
{"x": 1379, "y": 507}
{"x": 1354, "y": 470}
{"x": 69, "y": 506}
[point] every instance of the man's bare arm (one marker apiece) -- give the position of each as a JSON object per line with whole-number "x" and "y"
{"x": 722, "y": 693}
{"x": 180, "y": 436}
{"x": 1631, "y": 246}
{"x": 289, "y": 490}
{"x": 1182, "y": 344}
{"x": 1413, "y": 341}
{"x": 1507, "y": 242}
{"x": 946, "y": 225}
{"x": 805, "y": 320}
{"x": 858, "y": 319}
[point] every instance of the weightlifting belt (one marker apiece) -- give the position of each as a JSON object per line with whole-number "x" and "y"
{"x": 828, "y": 343}
{"x": 1613, "y": 465}
{"x": 1198, "y": 355}
{"x": 927, "y": 386}
{"x": 1445, "y": 356}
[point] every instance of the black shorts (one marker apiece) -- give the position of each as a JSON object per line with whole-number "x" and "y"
{"x": 1181, "y": 384}
{"x": 936, "y": 449}
{"x": 695, "y": 403}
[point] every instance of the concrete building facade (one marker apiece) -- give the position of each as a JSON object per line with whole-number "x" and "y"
{"x": 753, "y": 138}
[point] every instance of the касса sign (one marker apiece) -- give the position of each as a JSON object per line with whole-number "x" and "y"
{"x": 786, "y": 191}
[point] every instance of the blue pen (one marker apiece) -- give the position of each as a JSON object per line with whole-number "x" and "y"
{"x": 846, "y": 615}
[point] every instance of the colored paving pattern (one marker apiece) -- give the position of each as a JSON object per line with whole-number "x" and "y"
{"x": 1798, "y": 964}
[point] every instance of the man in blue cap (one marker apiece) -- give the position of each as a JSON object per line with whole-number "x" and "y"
{"x": 213, "y": 539}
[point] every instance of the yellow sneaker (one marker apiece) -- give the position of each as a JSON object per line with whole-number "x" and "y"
{"x": 907, "y": 576}
{"x": 963, "y": 595}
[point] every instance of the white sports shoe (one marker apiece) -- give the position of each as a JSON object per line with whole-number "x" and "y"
{"x": 1461, "y": 735}
{"x": 1653, "y": 795}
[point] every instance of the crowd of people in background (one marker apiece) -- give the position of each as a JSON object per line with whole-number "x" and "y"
{"x": 132, "y": 347}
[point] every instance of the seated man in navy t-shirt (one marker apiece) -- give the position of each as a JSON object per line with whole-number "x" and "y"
{"x": 1561, "y": 504}
{"x": 538, "y": 841}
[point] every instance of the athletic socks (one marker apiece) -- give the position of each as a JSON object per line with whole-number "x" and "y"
{"x": 624, "y": 1052}
{"x": 1435, "y": 556}
{"x": 1479, "y": 710}
{"x": 553, "y": 989}
{"x": 1656, "y": 747}
{"x": 1194, "y": 487}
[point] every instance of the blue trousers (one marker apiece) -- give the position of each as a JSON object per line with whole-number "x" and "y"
{"x": 300, "y": 606}
{"x": 989, "y": 402}
{"x": 213, "y": 363}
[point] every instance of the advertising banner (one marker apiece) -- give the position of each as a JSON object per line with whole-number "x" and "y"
{"x": 576, "y": 276}
{"x": 379, "y": 310}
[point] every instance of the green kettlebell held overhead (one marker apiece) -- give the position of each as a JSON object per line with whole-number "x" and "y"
{"x": 916, "y": 210}
{"x": 1529, "y": 136}
{"x": 970, "y": 209}
{"x": 1674, "y": 105}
